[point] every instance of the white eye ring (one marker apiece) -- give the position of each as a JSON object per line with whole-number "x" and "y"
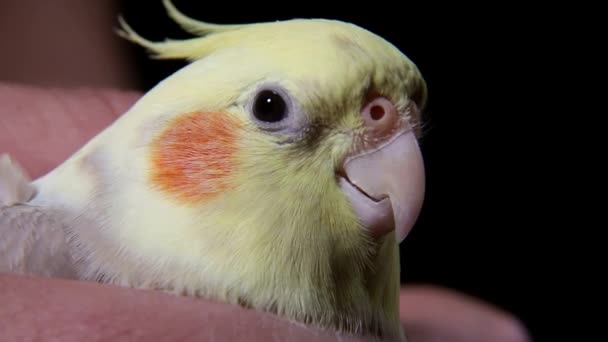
{"x": 283, "y": 114}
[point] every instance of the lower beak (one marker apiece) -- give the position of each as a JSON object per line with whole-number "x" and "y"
{"x": 386, "y": 186}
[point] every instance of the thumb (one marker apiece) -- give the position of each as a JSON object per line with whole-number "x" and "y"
{"x": 40, "y": 127}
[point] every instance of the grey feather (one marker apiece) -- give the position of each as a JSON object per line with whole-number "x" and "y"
{"x": 32, "y": 241}
{"x": 15, "y": 184}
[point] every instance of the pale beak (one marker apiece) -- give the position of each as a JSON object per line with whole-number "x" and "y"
{"x": 386, "y": 185}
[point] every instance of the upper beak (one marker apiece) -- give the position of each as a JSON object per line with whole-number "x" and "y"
{"x": 386, "y": 185}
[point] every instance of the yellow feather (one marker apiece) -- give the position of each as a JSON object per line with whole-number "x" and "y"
{"x": 194, "y": 26}
{"x": 284, "y": 239}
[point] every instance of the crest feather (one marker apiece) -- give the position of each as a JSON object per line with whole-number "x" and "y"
{"x": 193, "y": 26}
{"x": 189, "y": 49}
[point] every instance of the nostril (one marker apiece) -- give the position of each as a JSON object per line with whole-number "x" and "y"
{"x": 377, "y": 112}
{"x": 380, "y": 116}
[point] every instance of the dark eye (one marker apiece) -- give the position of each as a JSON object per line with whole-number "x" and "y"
{"x": 269, "y": 106}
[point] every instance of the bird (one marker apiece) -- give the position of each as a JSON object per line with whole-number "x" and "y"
{"x": 278, "y": 170}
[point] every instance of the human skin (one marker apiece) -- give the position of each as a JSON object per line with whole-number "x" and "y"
{"x": 40, "y": 127}
{"x": 64, "y": 42}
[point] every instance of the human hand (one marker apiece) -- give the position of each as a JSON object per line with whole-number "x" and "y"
{"x": 42, "y": 127}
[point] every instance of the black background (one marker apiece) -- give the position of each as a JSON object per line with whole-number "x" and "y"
{"x": 480, "y": 228}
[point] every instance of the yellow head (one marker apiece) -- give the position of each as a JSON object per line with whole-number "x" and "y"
{"x": 278, "y": 170}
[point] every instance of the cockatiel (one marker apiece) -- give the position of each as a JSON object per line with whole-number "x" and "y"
{"x": 279, "y": 170}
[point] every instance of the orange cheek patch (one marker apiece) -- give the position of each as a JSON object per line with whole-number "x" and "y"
{"x": 194, "y": 156}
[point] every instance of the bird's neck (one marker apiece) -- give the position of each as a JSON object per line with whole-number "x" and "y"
{"x": 299, "y": 274}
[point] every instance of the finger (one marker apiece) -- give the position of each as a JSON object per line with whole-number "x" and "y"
{"x": 435, "y": 314}
{"x": 52, "y": 309}
{"x": 40, "y": 127}
{"x": 77, "y": 35}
